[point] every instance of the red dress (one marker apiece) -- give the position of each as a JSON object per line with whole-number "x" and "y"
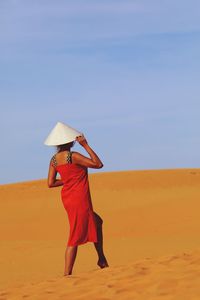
{"x": 76, "y": 199}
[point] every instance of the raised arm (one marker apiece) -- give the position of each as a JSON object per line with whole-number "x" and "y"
{"x": 92, "y": 162}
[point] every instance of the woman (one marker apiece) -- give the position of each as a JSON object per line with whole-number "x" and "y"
{"x": 85, "y": 224}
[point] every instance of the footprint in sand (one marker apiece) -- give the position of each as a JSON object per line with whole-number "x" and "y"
{"x": 186, "y": 256}
{"x": 169, "y": 260}
{"x": 194, "y": 173}
{"x": 141, "y": 271}
{"x": 49, "y": 291}
{"x": 3, "y": 295}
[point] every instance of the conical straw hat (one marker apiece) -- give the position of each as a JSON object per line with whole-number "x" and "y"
{"x": 61, "y": 134}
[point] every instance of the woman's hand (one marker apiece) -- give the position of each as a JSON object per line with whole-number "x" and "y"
{"x": 82, "y": 140}
{"x": 92, "y": 162}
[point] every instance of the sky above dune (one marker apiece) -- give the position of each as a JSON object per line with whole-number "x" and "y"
{"x": 125, "y": 73}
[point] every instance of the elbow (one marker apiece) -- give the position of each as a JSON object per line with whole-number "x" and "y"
{"x": 99, "y": 166}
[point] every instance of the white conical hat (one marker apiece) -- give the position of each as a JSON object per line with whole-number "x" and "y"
{"x": 61, "y": 134}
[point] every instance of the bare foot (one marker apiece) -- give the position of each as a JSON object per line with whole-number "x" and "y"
{"x": 102, "y": 264}
{"x": 67, "y": 273}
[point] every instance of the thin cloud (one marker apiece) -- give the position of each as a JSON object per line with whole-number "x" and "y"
{"x": 24, "y": 22}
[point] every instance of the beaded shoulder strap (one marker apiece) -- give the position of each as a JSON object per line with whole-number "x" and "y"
{"x": 69, "y": 158}
{"x": 53, "y": 160}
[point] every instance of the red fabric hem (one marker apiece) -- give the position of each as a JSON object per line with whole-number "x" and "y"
{"x": 90, "y": 241}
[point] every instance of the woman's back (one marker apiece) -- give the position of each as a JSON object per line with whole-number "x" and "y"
{"x": 72, "y": 175}
{"x": 61, "y": 158}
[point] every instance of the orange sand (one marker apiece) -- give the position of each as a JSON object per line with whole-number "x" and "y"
{"x": 151, "y": 239}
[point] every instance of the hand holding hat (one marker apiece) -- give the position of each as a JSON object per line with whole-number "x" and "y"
{"x": 81, "y": 140}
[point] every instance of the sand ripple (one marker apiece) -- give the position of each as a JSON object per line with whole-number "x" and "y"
{"x": 174, "y": 277}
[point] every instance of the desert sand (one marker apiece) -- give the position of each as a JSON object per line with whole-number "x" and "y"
{"x": 151, "y": 231}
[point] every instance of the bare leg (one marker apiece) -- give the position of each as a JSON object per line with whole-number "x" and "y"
{"x": 70, "y": 256}
{"x": 102, "y": 262}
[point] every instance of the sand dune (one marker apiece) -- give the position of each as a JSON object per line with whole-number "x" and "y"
{"x": 151, "y": 239}
{"x": 170, "y": 277}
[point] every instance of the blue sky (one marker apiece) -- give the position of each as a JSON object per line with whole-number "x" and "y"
{"x": 126, "y": 73}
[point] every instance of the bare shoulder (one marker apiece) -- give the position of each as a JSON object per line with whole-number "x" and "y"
{"x": 78, "y": 158}
{"x": 77, "y": 155}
